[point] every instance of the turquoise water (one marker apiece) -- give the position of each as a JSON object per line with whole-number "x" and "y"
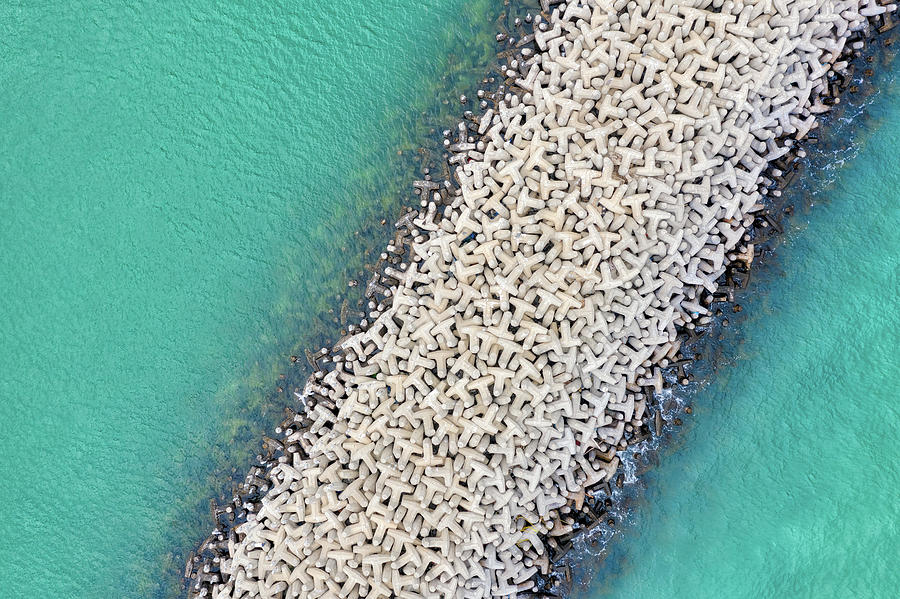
{"x": 181, "y": 185}
{"x": 785, "y": 481}
{"x": 181, "y": 190}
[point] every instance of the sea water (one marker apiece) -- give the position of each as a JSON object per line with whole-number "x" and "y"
{"x": 186, "y": 189}
{"x": 785, "y": 480}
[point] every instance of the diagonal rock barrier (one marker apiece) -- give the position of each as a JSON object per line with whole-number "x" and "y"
{"x": 505, "y": 365}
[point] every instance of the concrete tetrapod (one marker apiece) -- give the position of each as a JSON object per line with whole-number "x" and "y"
{"x": 602, "y": 201}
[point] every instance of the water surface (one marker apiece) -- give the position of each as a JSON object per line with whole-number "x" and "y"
{"x": 181, "y": 187}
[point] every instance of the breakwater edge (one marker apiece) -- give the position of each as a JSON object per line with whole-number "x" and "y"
{"x": 529, "y": 310}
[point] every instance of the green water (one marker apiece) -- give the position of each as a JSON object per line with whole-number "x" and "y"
{"x": 180, "y": 189}
{"x": 181, "y": 186}
{"x": 785, "y": 482}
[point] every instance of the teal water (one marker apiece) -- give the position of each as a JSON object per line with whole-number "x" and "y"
{"x": 785, "y": 481}
{"x": 181, "y": 187}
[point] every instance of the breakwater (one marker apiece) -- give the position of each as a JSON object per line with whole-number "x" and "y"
{"x": 747, "y": 498}
{"x": 528, "y": 311}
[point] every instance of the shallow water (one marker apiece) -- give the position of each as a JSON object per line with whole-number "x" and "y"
{"x": 180, "y": 191}
{"x": 784, "y": 481}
